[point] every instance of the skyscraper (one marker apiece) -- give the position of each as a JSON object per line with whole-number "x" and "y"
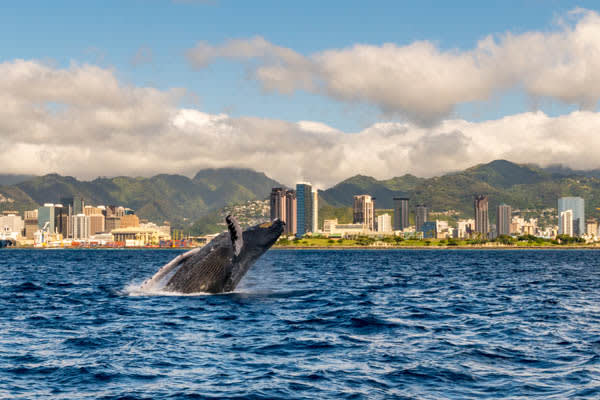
{"x": 81, "y": 226}
{"x": 97, "y": 224}
{"x": 61, "y": 220}
{"x": 503, "y": 219}
{"x": 400, "y": 213}
{"x": 576, "y": 204}
{"x": 283, "y": 207}
{"x": 421, "y": 216}
{"x": 482, "y": 220}
{"x": 291, "y": 209}
{"x": 364, "y": 211}
{"x": 304, "y": 210}
{"x": 566, "y": 223}
{"x": 315, "y": 210}
{"x": 46, "y": 216}
{"x": 277, "y": 202}
{"x": 73, "y": 204}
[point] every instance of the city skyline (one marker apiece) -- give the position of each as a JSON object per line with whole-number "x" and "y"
{"x": 185, "y": 97}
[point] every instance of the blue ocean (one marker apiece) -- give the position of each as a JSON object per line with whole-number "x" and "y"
{"x": 437, "y": 324}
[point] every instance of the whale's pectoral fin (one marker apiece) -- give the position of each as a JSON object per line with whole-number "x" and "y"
{"x": 235, "y": 232}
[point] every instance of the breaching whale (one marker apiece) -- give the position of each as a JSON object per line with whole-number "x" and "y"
{"x": 221, "y": 264}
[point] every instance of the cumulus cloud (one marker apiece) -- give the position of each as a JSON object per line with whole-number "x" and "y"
{"x": 425, "y": 83}
{"x": 82, "y": 121}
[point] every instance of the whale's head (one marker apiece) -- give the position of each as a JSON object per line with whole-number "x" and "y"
{"x": 249, "y": 245}
{"x": 262, "y": 237}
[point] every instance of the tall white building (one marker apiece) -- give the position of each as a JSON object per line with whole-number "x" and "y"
{"x": 384, "y": 223}
{"x": 566, "y": 223}
{"x": 81, "y": 226}
{"x": 577, "y": 207}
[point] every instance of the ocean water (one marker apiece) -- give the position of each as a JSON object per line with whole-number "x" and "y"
{"x": 304, "y": 325}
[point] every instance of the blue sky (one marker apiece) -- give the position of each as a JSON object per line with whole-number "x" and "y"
{"x": 110, "y": 33}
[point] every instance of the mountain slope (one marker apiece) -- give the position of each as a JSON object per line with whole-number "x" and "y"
{"x": 174, "y": 198}
{"x": 182, "y": 200}
{"x": 522, "y": 186}
{"x": 234, "y": 185}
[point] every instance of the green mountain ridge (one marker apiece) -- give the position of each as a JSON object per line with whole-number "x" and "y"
{"x": 183, "y": 201}
{"x": 174, "y": 198}
{"x": 522, "y": 186}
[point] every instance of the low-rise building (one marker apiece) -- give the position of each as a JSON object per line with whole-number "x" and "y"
{"x": 130, "y": 221}
{"x": 429, "y": 229}
{"x": 384, "y": 223}
{"x": 12, "y": 224}
{"x": 464, "y": 228}
{"x": 138, "y": 236}
{"x": 332, "y": 227}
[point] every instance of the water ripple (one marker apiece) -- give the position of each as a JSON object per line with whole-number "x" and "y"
{"x": 304, "y": 325}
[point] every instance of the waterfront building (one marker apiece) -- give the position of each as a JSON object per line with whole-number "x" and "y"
{"x": 139, "y": 236}
{"x": 12, "y": 224}
{"x": 384, "y": 223}
{"x": 577, "y": 205}
{"x": 46, "y": 218}
{"x": 464, "y": 228}
{"x": 74, "y": 204}
{"x": 291, "y": 210}
{"x": 482, "y": 221}
{"x": 304, "y": 209}
{"x": 331, "y": 227}
{"x": 429, "y": 230}
{"x": 32, "y": 214}
{"x": 31, "y": 223}
{"x": 442, "y": 229}
{"x": 401, "y": 220}
{"x": 364, "y": 211}
{"x": 520, "y": 226}
{"x": 278, "y": 203}
{"x": 61, "y": 220}
{"x": 503, "y": 219}
{"x": 566, "y": 223}
{"x": 130, "y": 221}
{"x": 89, "y": 210}
{"x": 96, "y": 224}
{"x": 421, "y": 216}
{"x": 164, "y": 230}
{"x": 591, "y": 227}
{"x": 315, "y": 210}
{"x": 81, "y": 226}
{"x": 9, "y": 212}
{"x": 112, "y": 222}
{"x": 115, "y": 211}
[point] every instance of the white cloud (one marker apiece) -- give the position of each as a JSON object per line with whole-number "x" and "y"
{"x": 81, "y": 121}
{"x": 424, "y": 83}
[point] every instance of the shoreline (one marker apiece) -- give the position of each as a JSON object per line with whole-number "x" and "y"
{"x": 375, "y": 248}
{"x": 433, "y": 248}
